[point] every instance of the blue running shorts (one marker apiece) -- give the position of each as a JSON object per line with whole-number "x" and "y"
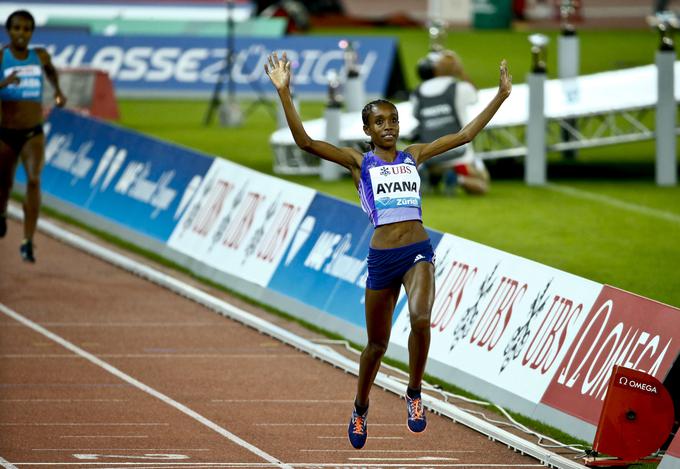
{"x": 387, "y": 267}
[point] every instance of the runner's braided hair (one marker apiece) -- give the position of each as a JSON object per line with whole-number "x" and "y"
{"x": 20, "y": 14}
{"x": 366, "y": 111}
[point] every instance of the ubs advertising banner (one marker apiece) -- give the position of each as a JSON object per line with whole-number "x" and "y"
{"x": 241, "y": 221}
{"x": 193, "y": 65}
{"x": 141, "y": 183}
{"x": 501, "y": 318}
{"x": 325, "y": 265}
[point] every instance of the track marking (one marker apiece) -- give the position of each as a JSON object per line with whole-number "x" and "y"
{"x": 104, "y": 436}
{"x": 284, "y": 401}
{"x": 518, "y": 444}
{"x": 141, "y": 386}
{"x": 121, "y": 449}
{"x": 86, "y": 424}
{"x": 62, "y": 385}
{"x": 6, "y": 464}
{"x": 410, "y": 451}
{"x": 607, "y": 200}
{"x": 147, "y": 465}
{"x": 293, "y": 424}
{"x": 64, "y": 400}
{"x": 119, "y": 324}
{"x": 157, "y": 355}
{"x": 165, "y": 457}
{"x": 372, "y": 437}
{"x": 388, "y": 451}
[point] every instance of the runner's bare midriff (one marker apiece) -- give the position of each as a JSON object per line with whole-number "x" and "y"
{"x": 399, "y": 234}
{"x": 21, "y": 114}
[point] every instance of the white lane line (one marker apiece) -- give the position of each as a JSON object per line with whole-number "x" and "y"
{"x": 83, "y": 424}
{"x": 63, "y": 400}
{"x": 293, "y": 424}
{"x": 607, "y": 200}
{"x": 141, "y": 386}
{"x": 372, "y": 437}
{"x": 6, "y": 464}
{"x": 147, "y": 465}
{"x": 104, "y": 436}
{"x": 285, "y": 401}
{"x": 353, "y": 451}
{"x": 258, "y": 356}
{"x": 120, "y": 449}
{"x": 63, "y": 385}
{"x": 120, "y": 324}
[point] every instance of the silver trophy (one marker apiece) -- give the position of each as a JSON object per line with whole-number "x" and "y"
{"x": 567, "y": 13}
{"x": 665, "y": 22}
{"x": 335, "y": 98}
{"x": 437, "y": 33}
{"x": 539, "y": 43}
{"x": 351, "y": 58}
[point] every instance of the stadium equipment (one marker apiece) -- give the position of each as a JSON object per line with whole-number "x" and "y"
{"x": 636, "y": 419}
{"x": 607, "y": 111}
{"x": 89, "y": 91}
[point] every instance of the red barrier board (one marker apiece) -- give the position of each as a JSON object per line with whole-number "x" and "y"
{"x": 88, "y": 91}
{"x": 674, "y": 448}
{"x": 621, "y": 329}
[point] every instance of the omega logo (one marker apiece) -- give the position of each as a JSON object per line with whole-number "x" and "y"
{"x": 638, "y": 385}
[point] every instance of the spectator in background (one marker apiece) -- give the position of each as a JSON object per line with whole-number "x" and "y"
{"x": 440, "y": 104}
{"x": 21, "y": 133}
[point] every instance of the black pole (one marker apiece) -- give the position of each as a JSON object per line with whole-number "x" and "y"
{"x": 225, "y": 73}
{"x": 230, "y": 50}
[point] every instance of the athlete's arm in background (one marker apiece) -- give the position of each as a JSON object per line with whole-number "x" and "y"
{"x": 52, "y": 76}
{"x": 12, "y": 78}
{"x": 278, "y": 71}
{"x": 424, "y": 151}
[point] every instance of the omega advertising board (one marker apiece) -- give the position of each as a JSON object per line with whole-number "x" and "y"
{"x": 620, "y": 329}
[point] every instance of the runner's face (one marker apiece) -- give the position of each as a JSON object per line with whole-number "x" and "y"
{"x": 383, "y": 125}
{"x": 20, "y": 32}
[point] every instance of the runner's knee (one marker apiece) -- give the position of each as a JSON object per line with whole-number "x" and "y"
{"x": 33, "y": 182}
{"x": 376, "y": 348}
{"x": 420, "y": 320}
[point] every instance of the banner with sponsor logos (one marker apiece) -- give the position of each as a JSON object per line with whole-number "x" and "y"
{"x": 501, "y": 318}
{"x": 620, "y": 329}
{"x": 167, "y": 66}
{"x": 242, "y": 221}
{"x": 139, "y": 182}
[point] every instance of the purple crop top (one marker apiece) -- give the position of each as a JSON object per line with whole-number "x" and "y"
{"x": 390, "y": 192}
